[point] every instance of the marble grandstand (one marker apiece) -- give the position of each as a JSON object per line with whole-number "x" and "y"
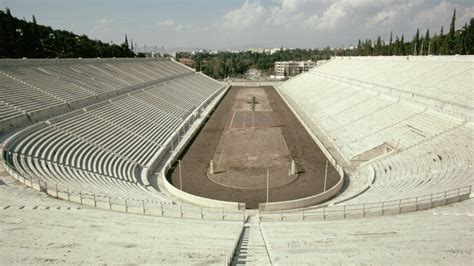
{"x": 94, "y": 131}
{"x": 390, "y": 122}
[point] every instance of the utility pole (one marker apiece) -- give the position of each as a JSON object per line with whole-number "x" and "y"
{"x": 326, "y": 176}
{"x": 268, "y": 183}
{"x": 180, "y": 177}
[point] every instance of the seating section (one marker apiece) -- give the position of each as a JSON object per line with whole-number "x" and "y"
{"x": 440, "y": 164}
{"x": 427, "y": 151}
{"x": 438, "y": 236}
{"x": 38, "y": 91}
{"x": 33, "y": 224}
{"x": 443, "y": 78}
{"x": 105, "y": 148}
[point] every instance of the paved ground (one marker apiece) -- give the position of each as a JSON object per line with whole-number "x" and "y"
{"x": 38, "y": 229}
{"x": 283, "y": 128}
{"x": 440, "y": 236}
{"x": 250, "y": 144}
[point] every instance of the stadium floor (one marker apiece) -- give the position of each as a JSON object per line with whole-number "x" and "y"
{"x": 309, "y": 159}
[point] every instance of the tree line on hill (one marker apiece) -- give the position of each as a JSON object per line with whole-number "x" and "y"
{"x": 226, "y": 64}
{"x": 459, "y": 41}
{"x": 20, "y": 38}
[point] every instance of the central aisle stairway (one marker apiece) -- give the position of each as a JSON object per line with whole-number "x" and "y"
{"x": 252, "y": 248}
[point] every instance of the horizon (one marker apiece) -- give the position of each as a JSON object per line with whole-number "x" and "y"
{"x": 240, "y": 25}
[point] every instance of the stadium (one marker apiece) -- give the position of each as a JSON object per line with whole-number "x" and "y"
{"x": 362, "y": 159}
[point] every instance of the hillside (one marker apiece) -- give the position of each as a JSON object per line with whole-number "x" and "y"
{"x": 20, "y": 38}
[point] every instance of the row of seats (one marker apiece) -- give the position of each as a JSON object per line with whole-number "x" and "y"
{"x": 26, "y": 90}
{"x": 440, "y": 164}
{"x": 104, "y": 148}
{"x": 429, "y": 151}
{"x": 438, "y": 236}
{"x": 94, "y": 236}
{"x": 358, "y": 120}
{"x": 447, "y": 78}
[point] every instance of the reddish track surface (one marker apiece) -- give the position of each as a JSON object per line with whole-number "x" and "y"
{"x": 310, "y": 160}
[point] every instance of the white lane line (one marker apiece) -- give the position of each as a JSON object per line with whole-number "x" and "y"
{"x": 232, "y": 120}
{"x": 223, "y": 148}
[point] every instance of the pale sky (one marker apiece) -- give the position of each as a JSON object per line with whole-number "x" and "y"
{"x": 221, "y": 24}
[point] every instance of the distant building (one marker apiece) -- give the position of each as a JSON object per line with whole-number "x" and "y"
{"x": 186, "y": 61}
{"x": 292, "y": 68}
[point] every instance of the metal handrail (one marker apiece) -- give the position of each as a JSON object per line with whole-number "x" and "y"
{"x": 380, "y": 207}
{"x": 129, "y": 205}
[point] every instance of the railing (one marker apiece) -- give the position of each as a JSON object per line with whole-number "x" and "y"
{"x": 128, "y": 205}
{"x": 381, "y": 208}
{"x": 175, "y": 149}
{"x": 314, "y": 199}
{"x": 231, "y": 254}
{"x": 308, "y": 201}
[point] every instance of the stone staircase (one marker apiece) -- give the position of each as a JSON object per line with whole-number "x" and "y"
{"x": 252, "y": 248}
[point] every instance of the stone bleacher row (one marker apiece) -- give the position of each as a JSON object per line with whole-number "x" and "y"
{"x": 35, "y": 92}
{"x": 438, "y": 236}
{"x": 444, "y": 78}
{"x": 104, "y": 148}
{"x": 440, "y": 164}
{"x": 433, "y": 151}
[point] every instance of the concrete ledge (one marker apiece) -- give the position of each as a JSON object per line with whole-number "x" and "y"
{"x": 48, "y": 112}
{"x": 12, "y": 121}
{"x": 177, "y": 193}
{"x": 201, "y": 201}
{"x": 160, "y": 209}
{"x": 79, "y": 103}
{"x": 320, "y": 144}
{"x": 305, "y": 202}
{"x": 95, "y": 106}
{"x": 65, "y": 116}
{"x": 373, "y": 209}
{"x": 361, "y": 191}
{"x": 106, "y": 95}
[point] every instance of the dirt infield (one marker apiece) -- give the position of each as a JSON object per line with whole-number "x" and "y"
{"x": 252, "y": 145}
{"x": 243, "y": 144}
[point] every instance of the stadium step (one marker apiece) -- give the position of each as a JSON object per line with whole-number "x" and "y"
{"x": 251, "y": 248}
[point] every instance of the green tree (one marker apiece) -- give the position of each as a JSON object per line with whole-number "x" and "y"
{"x": 402, "y": 48}
{"x": 451, "y": 38}
{"x": 427, "y": 42}
{"x": 20, "y": 38}
{"x": 10, "y": 35}
{"x": 390, "y": 43}
{"x": 36, "y": 39}
{"x": 416, "y": 42}
{"x": 469, "y": 37}
{"x": 378, "y": 50}
{"x": 396, "y": 47}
